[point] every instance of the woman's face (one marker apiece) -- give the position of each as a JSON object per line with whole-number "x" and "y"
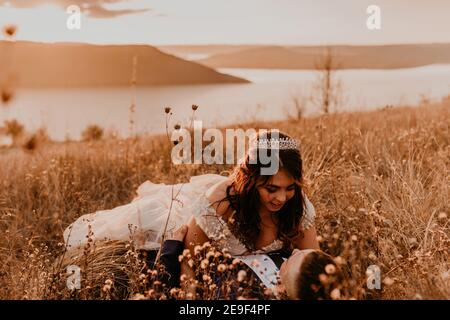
{"x": 278, "y": 190}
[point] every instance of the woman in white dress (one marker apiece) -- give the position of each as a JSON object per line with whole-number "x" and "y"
{"x": 245, "y": 213}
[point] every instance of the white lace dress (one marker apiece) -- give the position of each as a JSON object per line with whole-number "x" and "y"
{"x": 144, "y": 219}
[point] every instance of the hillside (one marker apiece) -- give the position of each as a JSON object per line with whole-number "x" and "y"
{"x": 29, "y": 64}
{"x": 308, "y": 57}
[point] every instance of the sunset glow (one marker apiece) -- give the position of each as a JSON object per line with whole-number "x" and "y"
{"x": 237, "y": 22}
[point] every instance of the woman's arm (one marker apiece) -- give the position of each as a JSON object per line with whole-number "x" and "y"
{"x": 172, "y": 248}
{"x": 309, "y": 239}
{"x": 307, "y": 228}
{"x": 195, "y": 236}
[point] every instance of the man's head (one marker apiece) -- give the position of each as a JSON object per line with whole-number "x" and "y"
{"x": 301, "y": 274}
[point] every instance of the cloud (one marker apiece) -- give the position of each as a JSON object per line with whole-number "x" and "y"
{"x": 93, "y": 8}
{"x": 101, "y": 12}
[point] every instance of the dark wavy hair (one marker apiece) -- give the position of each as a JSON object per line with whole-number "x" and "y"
{"x": 244, "y": 199}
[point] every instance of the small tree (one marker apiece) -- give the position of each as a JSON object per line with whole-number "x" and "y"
{"x": 328, "y": 89}
{"x": 296, "y": 111}
{"x": 6, "y": 95}
{"x": 92, "y": 133}
{"x": 6, "y": 92}
{"x": 13, "y": 129}
{"x": 9, "y": 31}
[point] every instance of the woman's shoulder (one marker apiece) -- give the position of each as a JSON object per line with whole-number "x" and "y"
{"x": 309, "y": 214}
{"x": 212, "y": 216}
{"x": 217, "y": 197}
{"x": 212, "y": 200}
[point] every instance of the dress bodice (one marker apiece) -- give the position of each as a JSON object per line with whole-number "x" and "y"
{"x": 217, "y": 230}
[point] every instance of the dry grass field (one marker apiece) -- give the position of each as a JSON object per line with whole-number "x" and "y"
{"x": 379, "y": 180}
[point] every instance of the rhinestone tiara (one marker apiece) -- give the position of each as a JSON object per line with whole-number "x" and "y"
{"x": 280, "y": 144}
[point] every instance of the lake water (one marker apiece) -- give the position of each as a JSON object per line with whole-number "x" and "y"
{"x": 65, "y": 113}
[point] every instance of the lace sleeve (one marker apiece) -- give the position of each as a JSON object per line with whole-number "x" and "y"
{"x": 207, "y": 220}
{"x": 215, "y": 228}
{"x": 309, "y": 215}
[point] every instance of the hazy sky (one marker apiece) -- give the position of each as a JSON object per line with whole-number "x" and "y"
{"x": 230, "y": 21}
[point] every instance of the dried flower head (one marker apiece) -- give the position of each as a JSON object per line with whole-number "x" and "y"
{"x": 323, "y": 278}
{"x": 6, "y": 95}
{"x": 197, "y": 249}
{"x": 221, "y": 267}
{"x": 388, "y": 281}
{"x": 330, "y": 269}
{"x": 204, "y": 264}
{"x": 10, "y": 31}
{"x": 335, "y": 294}
{"x": 241, "y": 275}
{"x": 206, "y": 278}
{"x": 138, "y": 296}
{"x": 206, "y": 245}
{"x": 339, "y": 260}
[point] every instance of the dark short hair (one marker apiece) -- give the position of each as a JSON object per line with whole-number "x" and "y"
{"x": 308, "y": 283}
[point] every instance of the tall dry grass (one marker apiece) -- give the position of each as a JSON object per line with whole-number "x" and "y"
{"x": 379, "y": 182}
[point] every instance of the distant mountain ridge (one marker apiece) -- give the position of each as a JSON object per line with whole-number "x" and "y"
{"x": 30, "y": 64}
{"x": 308, "y": 57}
